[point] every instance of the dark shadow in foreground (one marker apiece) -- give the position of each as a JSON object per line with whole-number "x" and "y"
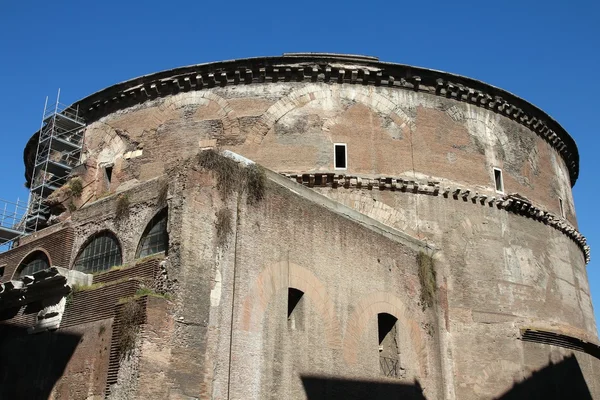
{"x": 30, "y": 365}
{"x": 332, "y": 388}
{"x": 563, "y": 380}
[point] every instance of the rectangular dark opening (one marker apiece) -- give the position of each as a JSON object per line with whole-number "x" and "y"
{"x": 294, "y": 297}
{"x": 498, "y": 180}
{"x": 340, "y": 156}
{"x": 562, "y": 209}
{"x": 108, "y": 172}
{"x": 2, "y": 270}
{"x": 385, "y": 324}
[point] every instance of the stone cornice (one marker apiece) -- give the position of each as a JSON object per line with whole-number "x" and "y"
{"x": 331, "y": 68}
{"x": 512, "y": 203}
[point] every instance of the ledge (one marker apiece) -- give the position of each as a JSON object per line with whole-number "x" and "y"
{"x": 329, "y": 68}
{"x": 511, "y": 203}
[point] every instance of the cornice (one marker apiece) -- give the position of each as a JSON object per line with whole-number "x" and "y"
{"x": 332, "y": 69}
{"x": 513, "y": 203}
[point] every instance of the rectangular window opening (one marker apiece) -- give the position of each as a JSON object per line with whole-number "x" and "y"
{"x": 340, "y": 155}
{"x": 498, "y": 180}
{"x": 385, "y": 326}
{"x": 389, "y": 350}
{"x": 562, "y": 207}
{"x": 2, "y": 270}
{"x": 108, "y": 172}
{"x": 294, "y": 297}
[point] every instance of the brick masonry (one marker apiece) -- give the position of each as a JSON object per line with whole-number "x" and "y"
{"x": 56, "y": 245}
{"x": 349, "y": 240}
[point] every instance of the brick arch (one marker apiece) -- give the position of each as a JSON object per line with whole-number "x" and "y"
{"x": 367, "y": 310}
{"x": 147, "y": 227}
{"x": 228, "y": 116}
{"x": 300, "y": 97}
{"x": 19, "y": 266}
{"x": 91, "y": 237}
{"x": 486, "y": 381}
{"x": 283, "y": 275}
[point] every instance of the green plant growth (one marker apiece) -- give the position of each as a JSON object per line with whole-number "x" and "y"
{"x": 426, "y": 267}
{"x": 223, "y": 225}
{"x": 81, "y": 288}
{"x": 131, "y": 316}
{"x": 69, "y": 299}
{"x": 232, "y": 176}
{"x": 76, "y": 186}
{"x": 256, "y": 182}
{"x": 146, "y": 291}
{"x": 227, "y": 171}
{"x": 122, "y": 207}
{"x": 72, "y": 207}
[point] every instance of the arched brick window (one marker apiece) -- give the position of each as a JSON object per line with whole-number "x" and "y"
{"x": 389, "y": 349}
{"x": 101, "y": 252}
{"x": 155, "y": 238}
{"x": 34, "y": 262}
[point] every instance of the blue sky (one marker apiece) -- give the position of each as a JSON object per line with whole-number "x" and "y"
{"x": 544, "y": 51}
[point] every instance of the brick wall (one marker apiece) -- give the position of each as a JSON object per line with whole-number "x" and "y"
{"x": 57, "y": 245}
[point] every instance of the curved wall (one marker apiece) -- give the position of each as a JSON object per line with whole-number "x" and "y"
{"x": 499, "y": 270}
{"x": 291, "y": 127}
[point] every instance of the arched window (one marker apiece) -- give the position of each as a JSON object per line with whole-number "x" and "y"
{"x": 36, "y": 261}
{"x": 155, "y": 238}
{"x": 101, "y": 252}
{"x": 295, "y": 311}
{"x": 389, "y": 349}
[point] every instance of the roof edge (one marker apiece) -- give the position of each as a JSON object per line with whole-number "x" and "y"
{"x": 331, "y": 68}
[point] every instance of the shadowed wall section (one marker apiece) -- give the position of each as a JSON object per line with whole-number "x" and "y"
{"x": 30, "y": 365}
{"x": 333, "y": 388}
{"x": 281, "y": 276}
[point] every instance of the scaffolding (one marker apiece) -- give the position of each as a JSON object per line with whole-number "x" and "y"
{"x": 11, "y": 222}
{"x": 58, "y": 152}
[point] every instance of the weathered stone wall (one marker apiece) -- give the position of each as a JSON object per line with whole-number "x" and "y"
{"x": 291, "y": 127}
{"x": 226, "y": 333}
{"x": 353, "y": 251}
{"x": 56, "y": 242}
{"x": 101, "y": 215}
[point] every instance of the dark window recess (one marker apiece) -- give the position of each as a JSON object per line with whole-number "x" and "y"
{"x": 562, "y": 209}
{"x": 340, "y": 156}
{"x": 34, "y": 262}
{"x": 108, "y": 172}
{"x": 498, "y": 179}
{"x": 389, "y": 349}
{"x": 101, "y": 253}
{"x": 385, "y": 325}
{"x": 294, "y": 297}
{"x": 2, "y": 271}
{"x": 155, "y": 238}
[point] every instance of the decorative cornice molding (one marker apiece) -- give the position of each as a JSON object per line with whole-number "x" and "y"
{"x": 512, "y": 203}
{"x": 332, "y": 69}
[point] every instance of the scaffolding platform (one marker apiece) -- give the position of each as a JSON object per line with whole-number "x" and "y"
{"x": 60, "y": 140}
{"x": 58, "y": 152}
{"x": 11, "y": 220}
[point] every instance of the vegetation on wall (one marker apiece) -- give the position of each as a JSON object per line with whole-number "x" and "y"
{"x": 76, "y": 186}
{"x": 226, "y": 171}
{"x": 131, "y": 316}
{"x": 256, "y": 182}
{"x": 232, "y": 176}
{"x": 122, "y": 207}
{"x": 223, "y": 225}
{"x": 426, "y": 267}
{"x": 147, "y": 291}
